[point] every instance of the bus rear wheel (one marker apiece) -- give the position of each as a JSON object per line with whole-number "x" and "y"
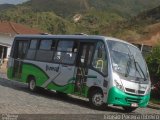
{"x": 32, "y": 85}
{"x": 96, "y": 100}
{"x": 129, "y": 109}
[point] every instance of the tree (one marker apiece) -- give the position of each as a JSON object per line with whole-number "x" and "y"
{"x": 153, "y": 62}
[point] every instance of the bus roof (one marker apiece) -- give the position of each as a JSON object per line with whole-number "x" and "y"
{"x": 88, "y": 37}
{"x": 63, "y": 36}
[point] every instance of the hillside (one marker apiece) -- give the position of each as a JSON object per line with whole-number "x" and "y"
{"x": 67, "y": 8}
{"x": 40, "y": 14}
{"x": 12, "y": 1}
{"x": 46, "y": 21}
{"x": 125, "y": 7}
{"x": 5, "y": 6}
{"x": 144, "y": 28}
{"x": 108, "y": 17}
{"x": 62, "y": 8}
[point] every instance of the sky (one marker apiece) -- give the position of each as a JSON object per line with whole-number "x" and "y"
{"x": 12, "y": 1}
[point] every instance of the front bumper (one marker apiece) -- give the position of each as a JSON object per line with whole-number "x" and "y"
{"x": 120, "y": 98}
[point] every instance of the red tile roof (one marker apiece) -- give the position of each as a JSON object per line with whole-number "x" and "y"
{"x": 15, "y": 28}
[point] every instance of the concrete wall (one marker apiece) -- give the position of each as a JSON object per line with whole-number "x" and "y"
{"x": 6, "y": 41}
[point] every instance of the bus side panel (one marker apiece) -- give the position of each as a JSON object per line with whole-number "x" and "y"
{"x": 10, "y": 68}
{"x": 41, "y": 77}
{"x": 31, "y": 70}
{"x": 69, "y": 88}
{"x": 10, "y": 73}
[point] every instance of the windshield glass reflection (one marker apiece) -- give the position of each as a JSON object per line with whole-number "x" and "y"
{"x": 127, "y": 60}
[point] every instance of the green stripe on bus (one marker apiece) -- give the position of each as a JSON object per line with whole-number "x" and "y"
{"x": 10, "y": 73}
{"x": 37, "y": 72}
{"x": 69, "y": 88}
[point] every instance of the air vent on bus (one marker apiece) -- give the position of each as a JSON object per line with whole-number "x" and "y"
{"x": 132, "y": 100}
{"x": 134, "y": 91}
{"x": 130, "y": 90}
{"x": 141, "y": 92}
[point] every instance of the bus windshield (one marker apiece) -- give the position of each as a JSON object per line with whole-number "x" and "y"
{"x": 127, "y": 60}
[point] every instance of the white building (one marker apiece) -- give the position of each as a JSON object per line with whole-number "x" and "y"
{"x": 5, "y": 46}
{"x": 7, "y": 32}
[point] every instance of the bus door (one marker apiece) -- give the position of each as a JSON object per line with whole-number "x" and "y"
{"x": 65, "y": 56}
{"x": 83, "y": 61}
{"x": 19, "y": 54}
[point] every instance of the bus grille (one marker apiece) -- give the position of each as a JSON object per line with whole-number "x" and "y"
{"x": 133, "y": 100}
{"x": 130, "y": 90}
{"x": 134, "y": 91}
{"x": 141, "y": 92}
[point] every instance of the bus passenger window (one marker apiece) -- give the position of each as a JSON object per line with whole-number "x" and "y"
{"x": 45, "y": 45}
{"x": 66, "y": 52}
{"x": 100, "y": 58}
{"x": 20, "y": 49}
{"x": 32, "y": 50}
{"x": 45, "y": 51}
{"x": 33, "y": 44}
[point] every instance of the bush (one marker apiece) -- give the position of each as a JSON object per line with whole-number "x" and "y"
{"x": 153, "y": 62}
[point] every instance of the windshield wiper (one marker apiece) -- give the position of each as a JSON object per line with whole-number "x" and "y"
{"x": 136, "y": 63}
{"x": 131, "y": 57}
{"x": 128, "y": 66}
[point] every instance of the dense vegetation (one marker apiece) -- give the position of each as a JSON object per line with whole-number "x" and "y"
{"x": 5, "y": 6}
{"x": 153, "y": 62}
{"x": 138, "y": 28}
{"x": 70, "y": 7}
{"x": 49, "y": 21}
{"x": 97, "y": 16}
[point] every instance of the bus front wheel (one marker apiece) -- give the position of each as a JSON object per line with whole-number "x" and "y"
{"x": 96, "y": 100}
{"x": 129, "y": 109}
{"x": 32, "y": 85}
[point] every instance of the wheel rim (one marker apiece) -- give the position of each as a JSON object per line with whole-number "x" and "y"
{"x": 32, "y": 84}
{"x": 97, "y": 99}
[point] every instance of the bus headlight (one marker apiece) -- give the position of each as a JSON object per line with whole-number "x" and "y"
{"x": 118, "y": 85}
{"x": 117, "y": 82}
{"x": 148, "y": 90}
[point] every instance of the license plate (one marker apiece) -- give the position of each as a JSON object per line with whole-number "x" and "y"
{"x": 134, "y": 105}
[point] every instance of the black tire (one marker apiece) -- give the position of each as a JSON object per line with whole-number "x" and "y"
{"x": 96, "y": 100}
{"x": 32, "y": 85}
{"x": 129, "y": 109}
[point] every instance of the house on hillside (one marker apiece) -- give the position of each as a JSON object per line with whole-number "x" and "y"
{"x": 7, "y": 32}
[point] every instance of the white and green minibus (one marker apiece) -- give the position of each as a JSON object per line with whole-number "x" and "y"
{"x": 105, "y": 70}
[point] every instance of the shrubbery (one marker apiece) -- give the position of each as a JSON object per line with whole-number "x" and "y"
{"x": 153, "y": 62}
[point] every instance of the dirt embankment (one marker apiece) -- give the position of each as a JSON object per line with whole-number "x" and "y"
{"x": 152, "y": 36}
